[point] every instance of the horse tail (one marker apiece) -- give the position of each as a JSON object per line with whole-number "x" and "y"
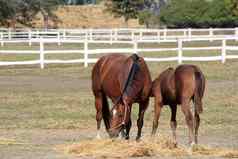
{"x": 199, "y": 91}
{"x": 105, "y": 111}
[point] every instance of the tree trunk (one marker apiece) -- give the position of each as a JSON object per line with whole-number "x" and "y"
{"x": 46, "y": 21}
{"x": 126, "y": 22}
{"x": 12, "y": 23}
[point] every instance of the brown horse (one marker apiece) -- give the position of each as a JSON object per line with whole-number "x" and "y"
{"x": 180, "y": 86}
{"x": 125, "y": 80}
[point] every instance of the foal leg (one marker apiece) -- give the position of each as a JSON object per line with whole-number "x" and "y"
{"x": 189, "y": 118}
{"x": 98, "y": 105}
{"x": 197, "y": 123}
{"x": 173, "y": 123}
{"x": 157, "y": 109}
{"x": 142, "y": 108}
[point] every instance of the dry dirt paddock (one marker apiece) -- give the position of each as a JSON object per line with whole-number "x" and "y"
{"x": 43, "y": 112}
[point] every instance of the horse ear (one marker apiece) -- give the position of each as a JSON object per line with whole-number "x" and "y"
{"x": 135, "y": 57}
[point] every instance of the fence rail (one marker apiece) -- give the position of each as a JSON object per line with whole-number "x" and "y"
{"x": 86, "y": 51}
{"x": 115, "y": 34}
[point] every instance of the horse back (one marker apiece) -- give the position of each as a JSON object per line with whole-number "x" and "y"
{"x": 111, "y": 72}
{"x": 163, "y": 87}
{"x": 186, "y": 79}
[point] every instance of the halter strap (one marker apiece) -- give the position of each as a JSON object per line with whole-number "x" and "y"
{"x": 134, "y": 68}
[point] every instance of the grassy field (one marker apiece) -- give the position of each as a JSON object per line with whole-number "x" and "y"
{"x": 40, "y": 109}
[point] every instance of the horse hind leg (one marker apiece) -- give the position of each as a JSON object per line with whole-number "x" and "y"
{"x": 173, "y": 123}
{"x": 189, "y": 119}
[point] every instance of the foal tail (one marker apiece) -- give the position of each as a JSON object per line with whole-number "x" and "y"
{"x": 105, "y": 112}
{"x": 199, "y": 91}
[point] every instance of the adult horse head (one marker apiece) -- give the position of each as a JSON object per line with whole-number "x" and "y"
{"x": 125, "y": 80}
{"x": 180, "y": 86}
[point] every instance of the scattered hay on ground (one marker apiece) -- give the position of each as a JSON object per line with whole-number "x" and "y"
{"x": 147, "y": 147}
{"x": 5, "y": 141}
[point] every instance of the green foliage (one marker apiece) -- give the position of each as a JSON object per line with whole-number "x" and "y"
{"x": 232, "y": 5}
{"x": 126, "y": 8}
{"x": 23, "y": 11}
{"x": 198, "y": 13}
{"x": 147, "y": 18}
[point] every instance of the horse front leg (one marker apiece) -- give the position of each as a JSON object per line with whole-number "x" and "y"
{"x": 142, "y": 108}
{"x": 157, "y": 109}
{"x": 128, "y": 128}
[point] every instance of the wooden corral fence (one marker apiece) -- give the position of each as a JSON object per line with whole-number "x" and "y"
{"x": 134, "y": 38}
{"x": 116, "y": 34}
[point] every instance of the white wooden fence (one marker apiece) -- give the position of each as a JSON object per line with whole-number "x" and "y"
{"x": 115, "y": 34}
{"x": 87, "y": 51}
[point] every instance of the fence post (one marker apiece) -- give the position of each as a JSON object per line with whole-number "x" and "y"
{"x": 90, "y": 34}
{"x": 111, "y": 35}
{"x": 189, "y": 33}
{"x": 141, "y": 34}
{"x": 180, "y": 51}
{"x": 236, "y": 33}
{"x": 64, "y": 34}
{"x": 37, "y": 34}
{"x": 158, "y": 35}
{"x": 29, "y": 37}
{"x": 135, "y": 46}
{"x": 184, "y": 33}
{"x": 223, "y": 52}
{"x": 9, "y": 34}
{"x": 42, "y": 56}
{"x": 210, "y": 33}
{"x": 1, "y": 37}
{"x": 165, "y": 34}
{"x": 115, "y": 34}
{"x": 132, "y": 35}
{"x": 86, "y": 52}
{"x": 58, "y": 38}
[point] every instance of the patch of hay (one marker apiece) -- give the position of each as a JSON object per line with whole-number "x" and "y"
{"x": 121, "y": 148}
{"x": 4, "y": 141}
{"x": 161, "y": 146}
{"x": 219, "y": 152}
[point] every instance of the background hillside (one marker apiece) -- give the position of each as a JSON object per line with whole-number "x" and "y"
{"x": 87, "y": 16}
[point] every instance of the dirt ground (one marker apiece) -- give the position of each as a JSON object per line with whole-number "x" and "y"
{"x": 41, "y": 143}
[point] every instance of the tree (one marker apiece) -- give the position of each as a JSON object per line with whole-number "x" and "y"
{"x": 23, "y": 11}
{"x": 149, "y": 15}
{"x": 232, "y": 5}
{"x": 46, "y": 8}
{"x": 197, "y": 14}
{"x": 128, "y": 9}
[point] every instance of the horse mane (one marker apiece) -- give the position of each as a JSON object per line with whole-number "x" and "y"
{"x": 135, "y": 67}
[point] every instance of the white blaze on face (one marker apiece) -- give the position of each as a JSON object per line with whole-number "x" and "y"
{"x": 114, "y": 112}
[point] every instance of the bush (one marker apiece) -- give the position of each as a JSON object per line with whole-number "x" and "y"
{"x": 197, "y": 14}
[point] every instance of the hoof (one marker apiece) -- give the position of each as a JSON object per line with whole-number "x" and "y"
{"x": 138, "y": 139}
{"x": 98, "y": 136}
